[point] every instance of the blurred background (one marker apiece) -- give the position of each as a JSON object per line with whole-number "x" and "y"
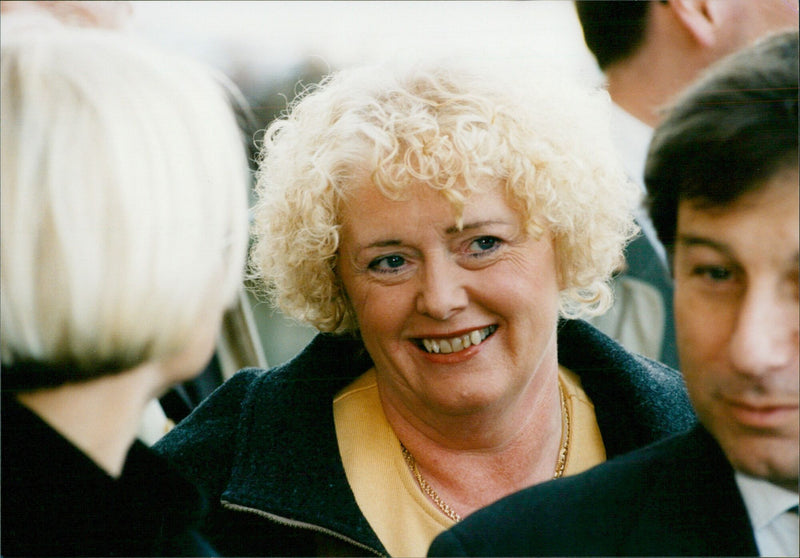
{"x": 269, "y": 47}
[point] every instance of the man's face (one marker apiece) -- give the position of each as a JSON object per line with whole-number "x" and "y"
{"x": 737, "y": 322}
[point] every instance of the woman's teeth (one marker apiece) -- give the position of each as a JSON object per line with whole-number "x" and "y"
{"x": 455, "y": 344}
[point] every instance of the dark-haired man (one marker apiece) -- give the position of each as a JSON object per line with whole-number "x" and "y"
{"x": 648, "y": 52}
{"x": 722, "y": 174}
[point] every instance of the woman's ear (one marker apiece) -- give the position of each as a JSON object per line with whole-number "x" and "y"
{"x": 698, "y": 18}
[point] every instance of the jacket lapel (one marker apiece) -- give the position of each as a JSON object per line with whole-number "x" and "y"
{"x": 637, "y": 401}
{"x": 291, "y": 466}
{"x": 693, "y": 506}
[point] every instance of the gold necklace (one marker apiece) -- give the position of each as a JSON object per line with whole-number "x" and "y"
{"x": 563, "y": 451}
{"x": 446, "y": 509}
{"x": 428, "y": 489}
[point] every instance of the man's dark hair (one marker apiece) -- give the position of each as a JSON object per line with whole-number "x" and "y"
{"x": 613, "y": 30}
{"x": 727, "y": 134}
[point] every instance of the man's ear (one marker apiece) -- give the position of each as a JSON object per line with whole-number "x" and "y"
{"x": 698, "y": 17}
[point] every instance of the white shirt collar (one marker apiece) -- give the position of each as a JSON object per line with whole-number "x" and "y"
{"x": 765, "y": 503}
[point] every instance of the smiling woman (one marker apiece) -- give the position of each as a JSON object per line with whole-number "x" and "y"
{"x": 441, "y": 283}
{"x": 443, "y": 225}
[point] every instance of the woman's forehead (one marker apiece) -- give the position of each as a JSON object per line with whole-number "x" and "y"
{"x": 364, "y": 183}
{"x": 461, "y": 202}
{"x": 369, "y": 204}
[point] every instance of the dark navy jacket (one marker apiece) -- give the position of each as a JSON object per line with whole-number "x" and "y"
{"x": 57, "y": 502}
{"x": 677, "y": 497}
{"x": 264, "y": 445}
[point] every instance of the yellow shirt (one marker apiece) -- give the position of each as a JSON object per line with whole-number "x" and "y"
{"x": 404, "y": 519}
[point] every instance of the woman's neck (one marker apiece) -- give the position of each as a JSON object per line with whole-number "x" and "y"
{"x": 100, "y": 416}
{"x": 473, "y": 460}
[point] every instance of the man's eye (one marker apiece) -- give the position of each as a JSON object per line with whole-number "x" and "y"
{"x": 714, "y": 273}
{"x": 387, "y": 263}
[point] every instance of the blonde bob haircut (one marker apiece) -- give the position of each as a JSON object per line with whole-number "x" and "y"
{"x": 124, "y": 200}
{"x": 545, "y": 141}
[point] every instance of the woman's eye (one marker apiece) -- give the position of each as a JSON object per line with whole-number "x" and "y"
{"x": 387, "y": 264}
{"x": 484, "y": 244}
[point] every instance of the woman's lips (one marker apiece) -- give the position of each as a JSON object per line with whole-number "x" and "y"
{"x": 447, "y": 345}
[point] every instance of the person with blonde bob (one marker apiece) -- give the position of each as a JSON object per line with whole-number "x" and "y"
{"x": 442, "y": 229}
{"x": 124, "y": 235}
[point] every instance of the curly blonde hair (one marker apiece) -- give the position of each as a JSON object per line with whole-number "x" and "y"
{"x": 449, "y": 127}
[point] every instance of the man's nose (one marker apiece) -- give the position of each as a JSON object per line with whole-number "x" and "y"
{"x": 765, "y": 336}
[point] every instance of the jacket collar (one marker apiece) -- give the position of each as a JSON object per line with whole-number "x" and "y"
{"x": 636, "y": 400}
{"x": 59, "y": 501}
{"x": 287, "y": 463}
{"x": 692, "y": 505}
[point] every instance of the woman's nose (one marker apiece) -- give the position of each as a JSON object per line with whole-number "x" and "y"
{"x": 765, "y": 336}
{"x": 442, "y": 292}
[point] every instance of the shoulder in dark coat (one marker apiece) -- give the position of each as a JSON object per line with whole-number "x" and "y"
{"x": 264, "y": 446}
{"x": 677, "y": 497}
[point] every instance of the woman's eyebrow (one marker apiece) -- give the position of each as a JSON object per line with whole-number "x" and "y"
{"x": 384, "y": 243}
{"x": 454, "y": 229}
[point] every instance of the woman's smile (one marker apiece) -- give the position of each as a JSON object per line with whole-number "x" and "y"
{"x": 456, "y": 343}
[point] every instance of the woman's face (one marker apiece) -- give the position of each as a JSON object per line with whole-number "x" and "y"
{"x": 456, "y": 321}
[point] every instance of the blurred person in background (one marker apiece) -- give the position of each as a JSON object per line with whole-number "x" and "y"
{"x": 722, "y": 174}
{"x": 123, "y": 238}
{"x": 649, "y": 51}
{"x": 79, "y": 13}
{"x": 442, "y": 227}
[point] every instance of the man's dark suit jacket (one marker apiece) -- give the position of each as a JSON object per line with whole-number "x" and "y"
{"x": 676, "y": 497}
